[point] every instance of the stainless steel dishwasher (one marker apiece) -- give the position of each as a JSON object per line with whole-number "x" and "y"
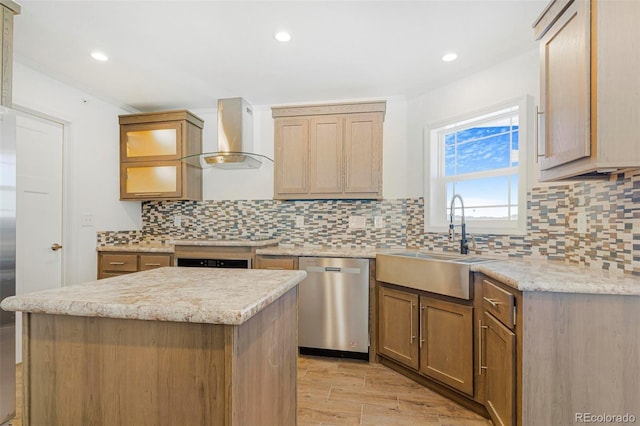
{"x": 333, "y": 307}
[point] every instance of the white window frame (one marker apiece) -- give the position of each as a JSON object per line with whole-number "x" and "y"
{"x": 435, "y": 191}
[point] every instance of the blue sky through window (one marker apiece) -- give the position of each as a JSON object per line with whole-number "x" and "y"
{"x": 480, "y": 164}
{"x": 479, "y": 149}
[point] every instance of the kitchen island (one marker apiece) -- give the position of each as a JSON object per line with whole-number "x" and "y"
{"x": 162, "y": 347}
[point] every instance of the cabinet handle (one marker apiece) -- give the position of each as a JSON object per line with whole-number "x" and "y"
{"x": 116, "y": 263}
{"x": 411, "y": 325}
{"x": 421, "y": 338}
{"x": 493, "y": 303}
{"x": 480, "y": 366}
{"x": 152, "y": 264}
{"x": 538, "y": 150}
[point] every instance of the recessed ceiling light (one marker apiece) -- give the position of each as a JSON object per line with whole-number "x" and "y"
{"x": 449, "y": 57}
{"x": 282, "y": 36}
{"x": 99, "y": 56}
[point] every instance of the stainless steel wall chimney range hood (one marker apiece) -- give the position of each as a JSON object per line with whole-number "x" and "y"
{"x": 235, "y": 139}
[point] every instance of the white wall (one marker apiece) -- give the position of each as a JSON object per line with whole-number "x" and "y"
{"x": 91, "y": 165}
{"x": 507, "y": 80}
{"x": 257, "y": 184}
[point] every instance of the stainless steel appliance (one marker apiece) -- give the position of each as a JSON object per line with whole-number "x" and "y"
{"x": 7, "y": 262}
{"x": 333, "y": 307}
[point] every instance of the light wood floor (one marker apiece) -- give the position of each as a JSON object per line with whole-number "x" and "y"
{"x": 344, "y": 392}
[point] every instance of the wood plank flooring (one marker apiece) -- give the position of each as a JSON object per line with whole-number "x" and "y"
{"x": 344, "y": 392}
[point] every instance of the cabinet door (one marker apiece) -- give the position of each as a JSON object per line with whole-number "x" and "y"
{"x": 363, "y": 153}
{"x": 151, "y": 141}
{"x": 325, "y": 154}
{"x": 565, "y": 88}
{"x": 150, "y": 180}
{"x": 500, "y": 359}
{"x": 446, "y": 343}
{"x": 398, "y": 326}
{"x": 291, "y": 156}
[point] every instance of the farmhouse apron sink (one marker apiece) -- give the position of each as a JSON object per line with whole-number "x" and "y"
{"x": 445, "y": 274}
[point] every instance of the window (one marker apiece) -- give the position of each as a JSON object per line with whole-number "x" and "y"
{"x": 482, "y": 157}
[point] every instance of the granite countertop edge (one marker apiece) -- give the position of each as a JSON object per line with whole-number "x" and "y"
{"x": 91, "y": 299}
{"x": 558, "y": 277}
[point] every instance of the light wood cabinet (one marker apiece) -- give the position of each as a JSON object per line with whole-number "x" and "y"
{"x": 111, "y": 264}
{"x": 151, "y": 145}
{"x": 363, "y": 155}
{"x": 398, "y": 326}
{"x": 589, "y": 90}
{"x": 276, "y": 262}
{"x": 500, "y": 370}
{"x": 427, "y": 334}
{"x": 497, "y": 354}
{"x": 446, "y": 342}
{"x": 291, "y": 157}
{"x": 329, "y": 151}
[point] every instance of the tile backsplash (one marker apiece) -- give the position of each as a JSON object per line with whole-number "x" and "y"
{"x": 612, "y": 209}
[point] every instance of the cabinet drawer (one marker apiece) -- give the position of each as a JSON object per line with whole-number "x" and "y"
{"x": 152, "y": 261}
{"x": 288, "y": 263}
{"x": 499, "y": 302}
{"x": 120, "y": 262}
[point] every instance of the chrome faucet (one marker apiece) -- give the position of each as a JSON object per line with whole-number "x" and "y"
{"x": 464, "y": 245}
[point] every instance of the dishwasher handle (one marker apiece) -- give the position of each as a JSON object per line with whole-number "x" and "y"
{"x": 333, "y": 269}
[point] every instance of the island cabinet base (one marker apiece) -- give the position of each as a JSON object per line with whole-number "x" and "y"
{"x": 106, "y": 371}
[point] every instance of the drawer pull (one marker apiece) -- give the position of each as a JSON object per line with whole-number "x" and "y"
{"x": 493, "y": 302}
{"x": 116, "y": 263}
{"x": 152, "y": 264}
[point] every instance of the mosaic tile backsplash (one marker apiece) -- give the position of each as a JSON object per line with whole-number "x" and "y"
{"x": 612, "y": 209}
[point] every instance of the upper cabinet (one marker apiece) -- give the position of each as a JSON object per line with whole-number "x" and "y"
{"x": 151, "y": 145}
{"x": 589, "y": 90}
{"x": 329, "y": 151}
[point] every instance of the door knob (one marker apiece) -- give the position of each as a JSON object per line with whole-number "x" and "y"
{"x": 55, "y": 246}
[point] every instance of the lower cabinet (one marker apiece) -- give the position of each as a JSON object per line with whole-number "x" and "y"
{"x": 497, "y": 345}
{"x": 568, "y": 337}
{"x": 446, "y": 343}
{"x": 276, "y": 262}
{"x": 111, "y": 264}
{"x": 398, "y": 325}
{"x": 431, "y": 335}
{"x": 500, "y": 369}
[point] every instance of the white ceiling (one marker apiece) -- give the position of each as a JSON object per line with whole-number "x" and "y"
{"x": 187, "y": 54}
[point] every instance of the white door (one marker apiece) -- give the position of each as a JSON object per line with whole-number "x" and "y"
{"x": 39, "y": 145}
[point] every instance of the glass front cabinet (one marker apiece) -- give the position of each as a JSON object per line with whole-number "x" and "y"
{"x": 151, "y": 145}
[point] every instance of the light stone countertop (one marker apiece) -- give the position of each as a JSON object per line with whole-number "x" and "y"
{"x": 227, "y": 243}
{"x": 318, "y": 251}
{"x": 558, "y": 277}
{"x": 198, "y": 295}
{"x": 142, "y": 247}
{"x": 169, "y": 245}
{"x": 524, "y": 274}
